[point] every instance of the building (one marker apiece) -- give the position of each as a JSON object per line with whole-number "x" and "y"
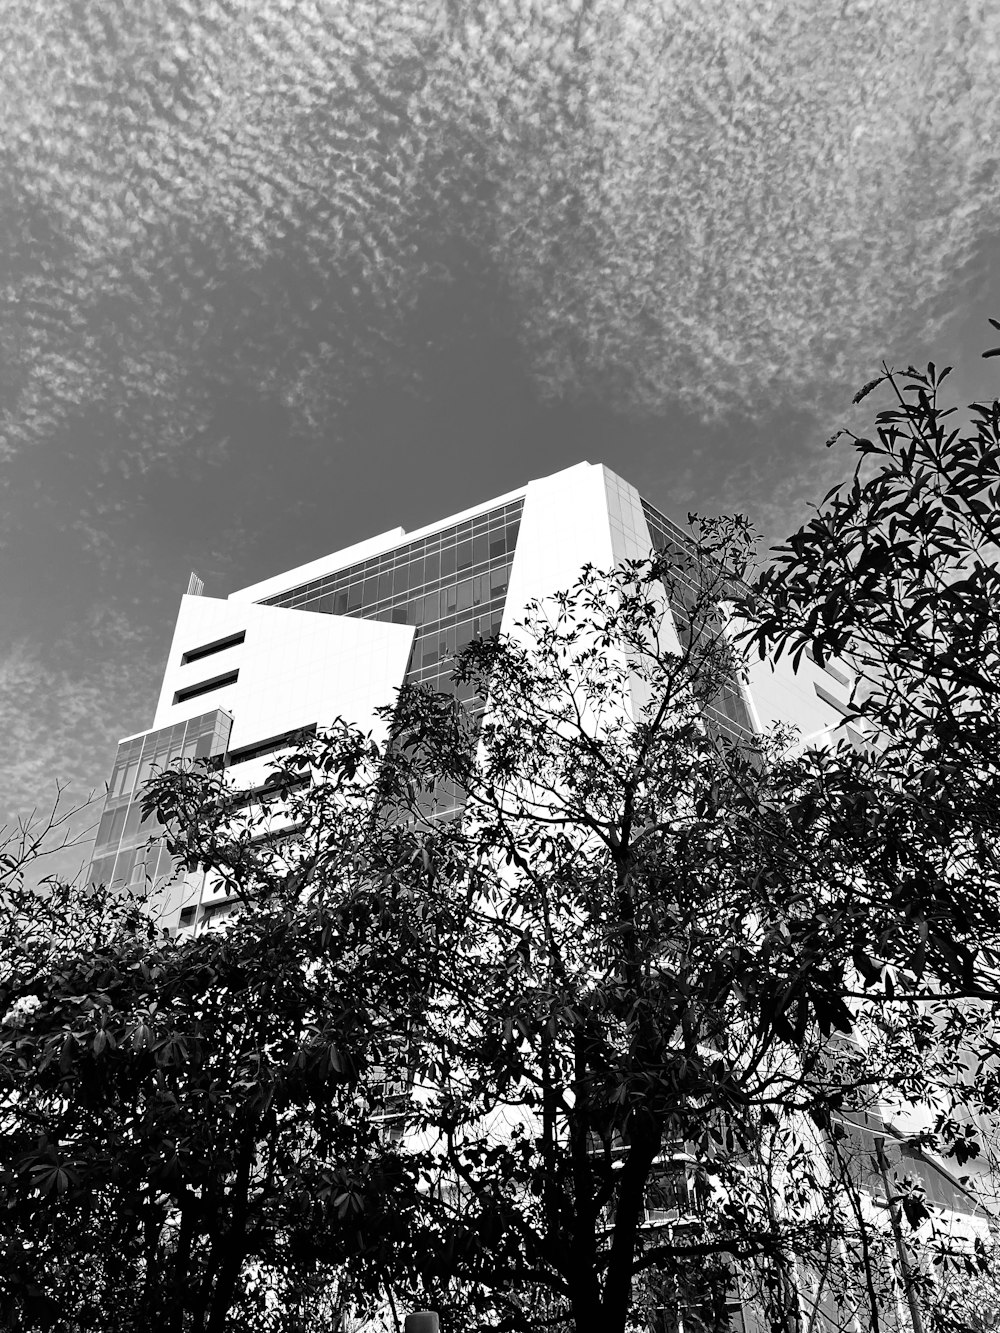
{"x": 247, "y": 674}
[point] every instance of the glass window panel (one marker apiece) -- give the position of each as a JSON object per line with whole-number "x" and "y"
{"x": 401, "y": 579}
{"x": 127, "y": 778}
{"x": 399, "y": 615}
{"x": 464, "y": 634}
{"x": 449, "y": 561}
{"x": 164, "y": 861}
{"x": 430, "y": 654}
{"x": 104, "y": 828}
{"x": 464, "y": 595}
{"x": 415, "y": 608}
{"x": 132, "y": 820}
{"x": 324, "y": 604}
{"x": 149, "y": 822}
{"x": 432, "y": 603}
{"x": 497, "y": 545}
{"x": 465, "y": 554}
{"x": 416, "y": 573}
{"x": 123, "y": 866}
{"x": 354, "y": 597}
{"x": 102, "y": 869}
{"x": 510, "y": 536}
{"x": 480, "y": 589}
{"x": 385, "y": 584}
{"x": 449, "y": 600}
{"x": 369, "y": 591}
{"x": 480, "y": 548}
{"x": 204, "y": 747}
{"x": 498, "y": 580}
{"x": 340, "y": 603}
{"x": 432, "y": 567}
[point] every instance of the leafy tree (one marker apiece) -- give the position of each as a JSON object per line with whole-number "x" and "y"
{"x": 184, "y": 1124}
{"x": 651, "y": 982}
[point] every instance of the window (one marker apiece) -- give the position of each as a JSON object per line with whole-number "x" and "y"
{"x": 271, "y": 745}
{"x": 833, "y": 702}
{"x": 216, "y": 646}
{"x": 205, "y": 686}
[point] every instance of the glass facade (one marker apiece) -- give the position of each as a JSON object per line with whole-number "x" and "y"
{"x": 727, "y": 714}
{"x": 450, "y": 585}
{"x": 128, "y": 849}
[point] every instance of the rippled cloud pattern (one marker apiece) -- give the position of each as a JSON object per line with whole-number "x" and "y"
{"x": 675, "y": 201}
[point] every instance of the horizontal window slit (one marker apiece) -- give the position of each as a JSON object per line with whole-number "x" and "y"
{"x": 216, "y": 646}
{"x": 204, "y": 686}
{"x": 284, "y": 741}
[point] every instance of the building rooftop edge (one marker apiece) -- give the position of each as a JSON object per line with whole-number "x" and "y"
{"x": 369, "y": 546}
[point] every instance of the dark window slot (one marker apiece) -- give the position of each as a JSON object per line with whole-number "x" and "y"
{"x": 216, "y": 646}
{"x": 834, "y": 702}
{"x": 265, "y": 792}
{"x": 271, "y": 744}
{"x": 205, "y": 686}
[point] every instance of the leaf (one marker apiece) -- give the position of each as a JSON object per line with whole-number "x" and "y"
{"x": 866, "y": 389}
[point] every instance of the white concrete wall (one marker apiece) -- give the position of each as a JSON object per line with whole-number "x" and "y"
{"x": 296, "y": 667}
{"x": 780, "y": 695}
{"x": 564, "y": 526}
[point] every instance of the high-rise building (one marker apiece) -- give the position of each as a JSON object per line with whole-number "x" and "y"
{"x": 249, "y": 673}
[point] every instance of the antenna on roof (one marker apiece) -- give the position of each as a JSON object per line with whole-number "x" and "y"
{"x": 196, "y": 586}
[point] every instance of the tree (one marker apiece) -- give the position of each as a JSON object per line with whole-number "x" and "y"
{"x": 897, "y": 576}
{"x": 653, "y": 983}
{"x": 182, "y": 1138}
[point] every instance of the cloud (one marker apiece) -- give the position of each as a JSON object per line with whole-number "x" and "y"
{"x": 719, "y": 207}
{"x": 60, "y": 723}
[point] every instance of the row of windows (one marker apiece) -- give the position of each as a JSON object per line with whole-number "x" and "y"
{"x": 438, "y": 644}
{"x": 271, "y": 745}
{"x": 405, "y": 568}
{"x": 132, "y": 865}
{"x": 122, "y": 821}
{"x": 425, "y": 608}
{"x": 421, "y": 577}
{"x": 198, "y": 737}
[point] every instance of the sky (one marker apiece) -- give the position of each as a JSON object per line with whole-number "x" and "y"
{"x": 281, "y": 274}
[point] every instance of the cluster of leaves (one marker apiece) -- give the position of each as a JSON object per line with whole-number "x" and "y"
{"x": 189, "y": 1116}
